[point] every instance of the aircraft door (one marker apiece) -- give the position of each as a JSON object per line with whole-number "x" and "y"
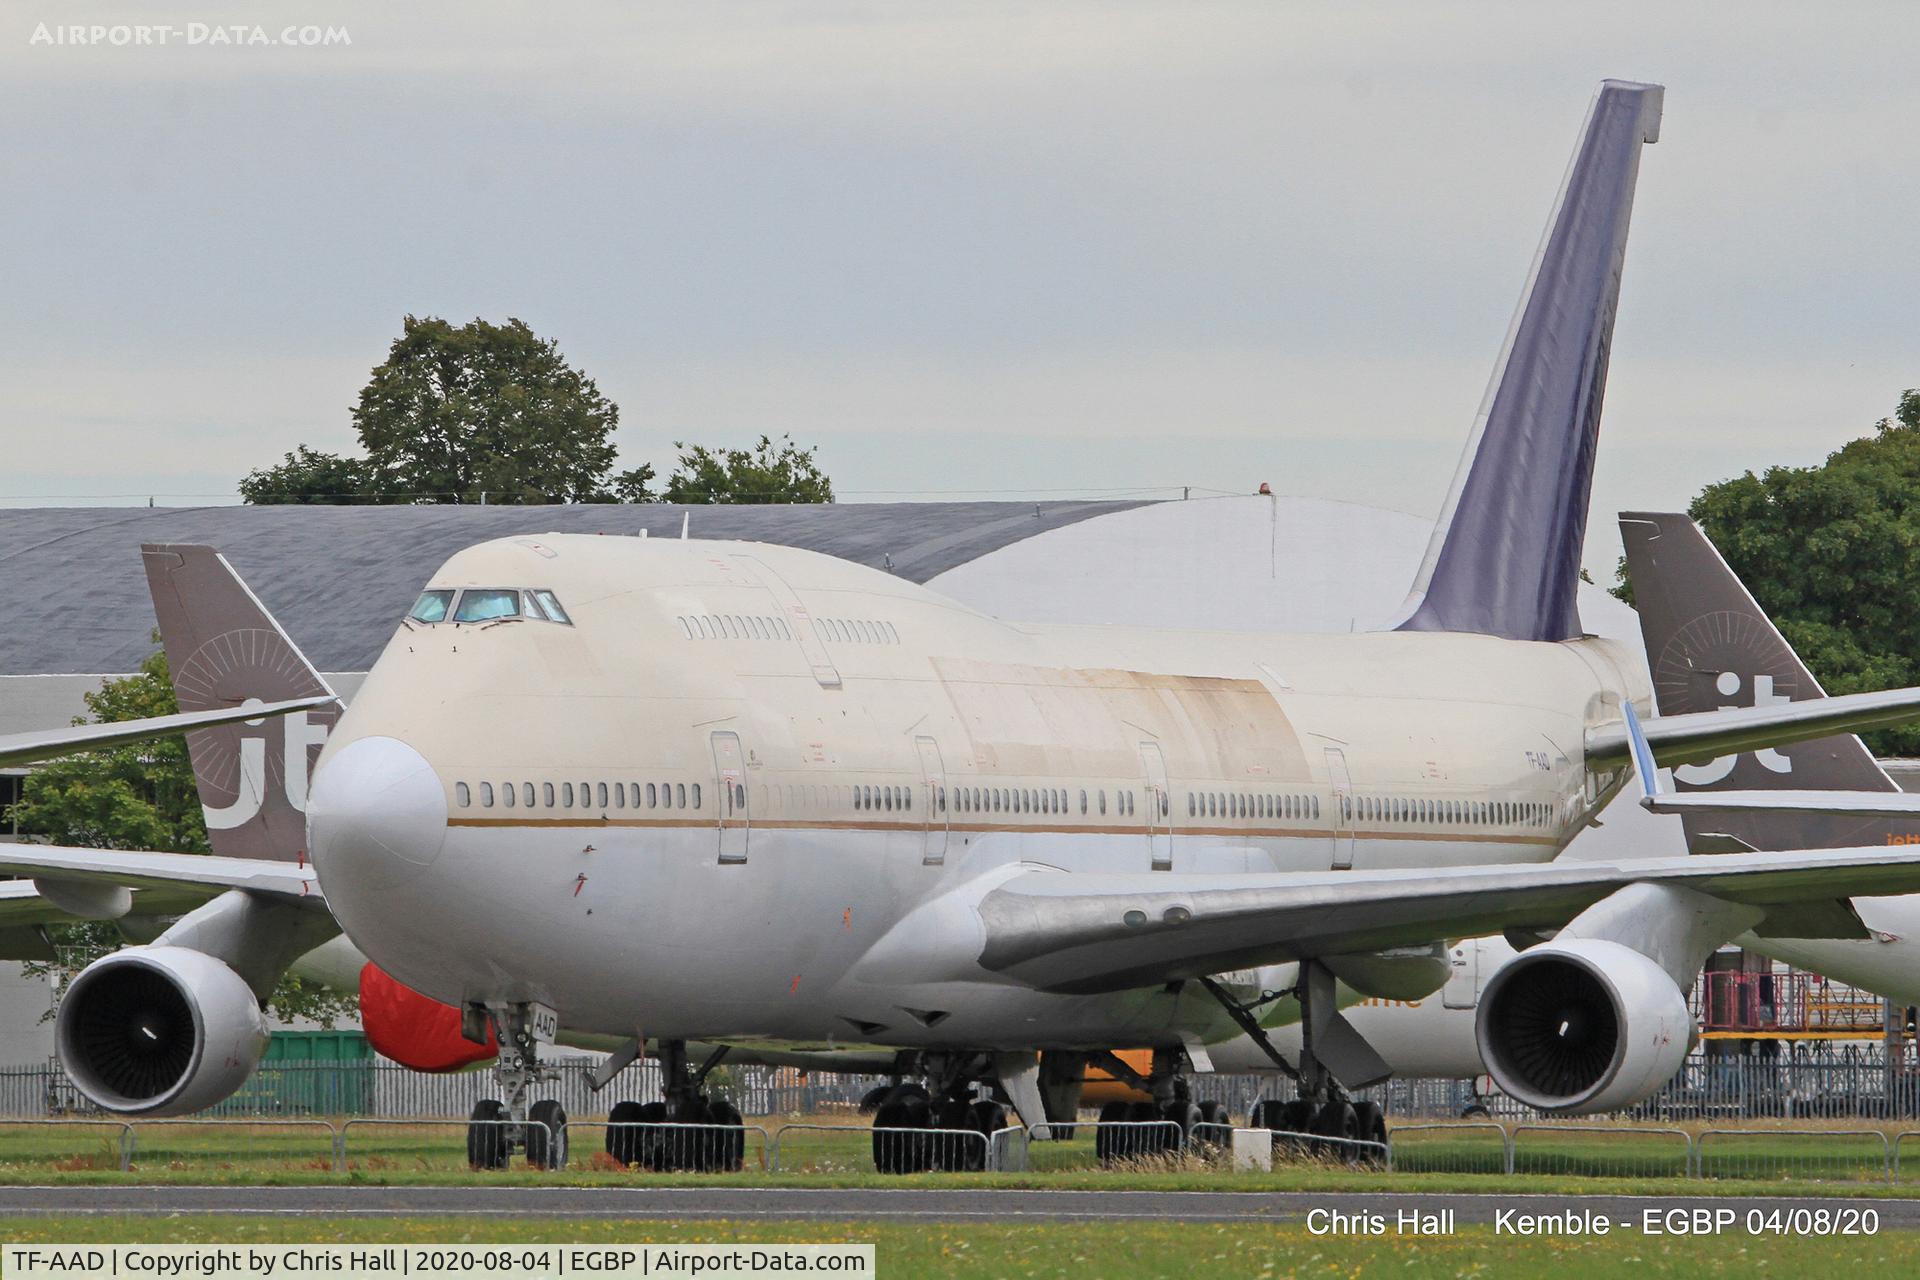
{"x": 1159, "y": 806}
{"x": 933, "y": 798}
{"x": 1342, "y": 807}
{"x": 730, "y": 796}
{"x": 1462, "y": 987}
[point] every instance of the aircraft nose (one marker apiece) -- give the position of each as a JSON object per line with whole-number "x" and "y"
{"x": 377, "y": 815}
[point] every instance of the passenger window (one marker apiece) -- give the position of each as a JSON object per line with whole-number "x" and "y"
{"x": 1316, "y": 806}
{"x": 485, "y": 606}
{"x": 602, "y": 790}
{"x": 1192, "y": 806}
{"x": 619, "y": 796}
{"x": 462, "y": 794}
{"x": 782, "y": 624}
{"x": 507, "y": 793}
{"x": 566, "y": 794}
{"x": 486, "y": 795}
{"x": 431, "y": 606}
{"x": 546, "y": 794}
{"x": 1102, "y": 795}
{"x": 696, "y": 795}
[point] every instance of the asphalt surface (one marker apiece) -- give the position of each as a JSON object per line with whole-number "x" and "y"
{"x": 802, "y": 1204}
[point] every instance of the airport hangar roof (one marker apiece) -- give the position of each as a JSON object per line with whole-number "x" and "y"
{"x": 339, "y": 577}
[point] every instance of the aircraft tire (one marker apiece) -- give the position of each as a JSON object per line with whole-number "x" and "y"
{"x": 730, "y": 1145}
{"x": 546, "y": 1135}
{"x": 1107, "y": 1143}
{"x": 656, "y": 1147}
{"x": 1186, "y": 1115}
{"x": 986, "y": 1118}
{"x": 489, "y": 1145}
{"x": 624, "y": 1144}
{"x": 1336, "y": 1119}
{"x": 1370, "y": 1125}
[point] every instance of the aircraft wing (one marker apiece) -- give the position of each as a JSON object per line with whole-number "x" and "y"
{"x": 142, "y": 870}
{"x": 44, "y": 744}
{"x": 1073, "y": 932}
{"x": 1703, "y": 735}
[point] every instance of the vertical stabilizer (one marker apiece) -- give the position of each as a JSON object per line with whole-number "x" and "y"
{"x": 1710, "y": 645}
{"x": 1505, "y": 555}
{"x": 224, "y": 649}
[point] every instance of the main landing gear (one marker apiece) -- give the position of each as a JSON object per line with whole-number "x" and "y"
{"x": 497, "y": 1129}
{"x": 687, "y": 1132}
{"x": 1173, "y": 1122}
{"x": 917, "y": 1128}
{"x": 1330, "y": 1051}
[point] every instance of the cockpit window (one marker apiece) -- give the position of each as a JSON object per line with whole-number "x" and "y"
{"x": 541, "y": 601}
{"x": 431, "y": 606}
{"x": 480, "y": 605}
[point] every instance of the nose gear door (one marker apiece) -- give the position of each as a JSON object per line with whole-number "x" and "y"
{"x": 730, "y": 796}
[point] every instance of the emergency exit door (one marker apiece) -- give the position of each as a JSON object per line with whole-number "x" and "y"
{"x": 730, "y": 796}
{"x": 1159, "y": 806}
{"x": 933, "y": 801}
{"x": 1342, "y": 808}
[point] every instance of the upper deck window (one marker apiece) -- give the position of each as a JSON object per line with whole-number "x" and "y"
{"x": 485, "y": 605}
{"x": 431, "y": 606}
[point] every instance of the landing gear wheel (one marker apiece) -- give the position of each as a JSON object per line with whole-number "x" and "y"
{"x": 730, "y": 1145}
{"x": 1214, "y": 1122}
{"x": 988, "y": 1118}
{"x": 1289, "y": 1120}
{"x": 1149, "y": 1138}
{"x": 489, "y": 1144}
{"x": 1370, "y": 1125}
{"x": 653, "y": 1146}
{"x": 1180, "y": 1112}
{"x": 546, "y": 1131}
{"x": 623, "y": 1144}
{"x": 949, "y": 1149}
{"x": 1335, "y": 1120}
{"x": 690, "y": 1150}
{"x": 903, "y": 1152}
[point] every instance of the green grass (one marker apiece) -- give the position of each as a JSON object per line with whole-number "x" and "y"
{"x": 1562, "y": 1160}
{"x": 1077, "y": 1250}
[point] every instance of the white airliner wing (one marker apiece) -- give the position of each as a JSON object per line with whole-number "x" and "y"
{"x": 45, "y": 744}
{"x": 140, "y": 869}
{"x": 1703, "y": 735}
{"x": 1073, "y": 932}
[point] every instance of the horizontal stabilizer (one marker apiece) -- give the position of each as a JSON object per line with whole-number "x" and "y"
{"x": 1838, "y": 804}
{"x": 1702, "y": 735}
{"x": 46, "y": 744}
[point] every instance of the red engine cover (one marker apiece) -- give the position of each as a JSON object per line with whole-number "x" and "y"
{"x": 414, "y": 1030}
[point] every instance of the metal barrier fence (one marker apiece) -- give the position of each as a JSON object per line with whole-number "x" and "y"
{"x": 1853, "y": 1081}
{"x": 368, "y": 1143}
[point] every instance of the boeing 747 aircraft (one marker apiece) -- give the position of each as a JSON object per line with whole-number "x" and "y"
{"x": 670, "y": 793}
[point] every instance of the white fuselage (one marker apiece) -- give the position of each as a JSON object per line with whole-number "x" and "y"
{"x": 738, "y": 766}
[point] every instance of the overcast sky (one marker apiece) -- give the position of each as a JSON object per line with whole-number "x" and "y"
{"x": 964, "y": 246}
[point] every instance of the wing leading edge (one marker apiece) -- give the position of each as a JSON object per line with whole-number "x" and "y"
{"x": 1071, "y": 932}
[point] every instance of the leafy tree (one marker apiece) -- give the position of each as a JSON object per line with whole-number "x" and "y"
{"x": 137, "y": 796}
{"x": 310, "y": 476}
{"x": 1829, "y": 552}
{"x": 759, "y": 474}
{"x": 453, "y": 413}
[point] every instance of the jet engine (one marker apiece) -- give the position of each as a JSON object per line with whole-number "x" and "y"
{"x": 159, "y": 1031}
{"x": 1582, "y": 1025}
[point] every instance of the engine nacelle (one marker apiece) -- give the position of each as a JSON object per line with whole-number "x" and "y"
{"x": 1582, "y": 1025}
{"x": 159, "y": 1031}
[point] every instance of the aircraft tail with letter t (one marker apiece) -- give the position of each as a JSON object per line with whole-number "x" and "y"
{"x": 1710, "y": 646}
{"x": 224, "y": 650}
{"x": 1505, "y": 555}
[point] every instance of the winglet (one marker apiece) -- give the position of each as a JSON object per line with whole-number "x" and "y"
{"x": 1642, "y": 752}
{"x": 1505, "y": 554}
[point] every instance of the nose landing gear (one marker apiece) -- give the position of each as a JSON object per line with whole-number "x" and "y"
{"x": 496, "y": 1129}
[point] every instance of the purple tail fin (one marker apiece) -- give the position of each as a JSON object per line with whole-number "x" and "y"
{"x": 1505, "y": 556}
{"x": 225, "y": 649}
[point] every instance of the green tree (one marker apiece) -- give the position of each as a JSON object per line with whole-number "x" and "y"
{"x": 310, "y": 476}
{"x": 137, "y": 796}
{"x": 763, "y": 473}
{"x": 484, "y": 408}
{"x": 1830, "y": 553}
